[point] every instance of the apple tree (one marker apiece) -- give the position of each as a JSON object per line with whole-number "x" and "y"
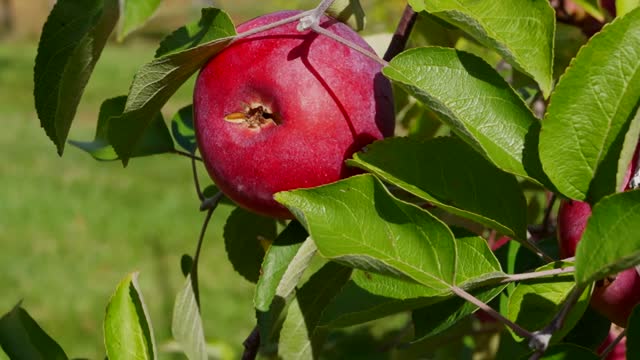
{"x": 423, "y": 179}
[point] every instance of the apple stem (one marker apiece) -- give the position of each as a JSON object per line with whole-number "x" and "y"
{"x": 312, "y": 19}
{"x": 401, "y": 35}
{"x": 196, "y": 181}
{"x": 491, "y": 312}
{"x": 613, "y": 344}
{"x": 186, "y": 154}
{"x": 348, "y": 43}
{"x": 540, "y": 340}
{"x": 538, "y": 274}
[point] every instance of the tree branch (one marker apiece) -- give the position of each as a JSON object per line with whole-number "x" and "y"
{"x": 494, "y": 314}
{"x": 402, "y": 33}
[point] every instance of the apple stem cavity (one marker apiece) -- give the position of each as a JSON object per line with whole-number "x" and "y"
{"x": 491, "y": 312}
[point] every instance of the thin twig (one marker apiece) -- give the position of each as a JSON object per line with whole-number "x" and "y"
{"x": 547, "y": 214}
{"x": 196, "y": 181}
{"x": 538, "y": 274}
{"x": 196, "y": 258}
{"x": 494, "y": 314}
{"x": 186, "y": 154}
{"x": 345, "y": 42}
{"x": 613, "y": 344}
{"x": 402, "y": 33}
{"x": 540, "y": 341}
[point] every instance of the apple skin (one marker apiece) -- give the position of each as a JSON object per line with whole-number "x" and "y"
{"x": 614, "y": 298}
{"x": 327, "y": 102}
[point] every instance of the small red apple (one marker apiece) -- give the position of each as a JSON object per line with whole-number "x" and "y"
{"x": 616, "y": 297}
{"x": 283, "y": 109}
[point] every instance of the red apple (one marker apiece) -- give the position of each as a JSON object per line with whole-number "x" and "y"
{"x": 613, "y": 297}
{"x": 283, "y": 109}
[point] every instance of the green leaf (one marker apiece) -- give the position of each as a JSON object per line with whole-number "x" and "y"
{"x": 134, "y": 14}
{"x": 590, "y": 112}
{"x": 355, "y": 305}
{"x": 300, "y": 338}
{"x": 474, "y": 100}
{"x": 21, "y": 338}
{"x": 592, "y": 8}
{"x": 533, "y": 304}
{"x": 625, "y": 6}
{"x": 182, "y": 129}
{"x": 633, "y": 334}
{"x": 449, "y": 174}
{"x": 566, "y": 352}
{"x": 156, "y": 138}
{"x": 186, "y": 326}
{"x": 569, "y": 39}
{"x": 279, "y": 270}
{"x": 158, "y": 80}
{"x": 70, "y": 45}
{"x": 433, "y": 320}
{"x": 358, "y": 223}
{"x": 521, "y": 31}
{"x": 349, "y": 12}
{"x": 611, "y": 240}
{"x": 590, "y": 331}
{"x": 128, "y": 334}
{"x": 285, "y": 263}
{"x": 246, "y": 236}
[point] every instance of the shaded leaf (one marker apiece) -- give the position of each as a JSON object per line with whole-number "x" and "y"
{"x": 71, "y": 43}
{"x": 285, "y": 263}
{"x": 601, "y": 252}
{"x": 186, "y": 325}
{"x": 158, "y": 80}
{"x": 128, "y": 334}
{"x": 534, "y": 304}
{"x": 21, "y": 338}
{"x": 183, "y": 130}
{"x": 566, "y": 352}
{"x": 633, "y": 334}
{"x": 590, "y": 113}
{"x": 134, "y": 14}
{"x": 156, "y": 138}
{"x": 521, "y": 31}
{"x": 448, "y": 173}
{"x": 569, "y": 39}
{"x": 300, "y": 338}
{"x": 433, "y": 320}
{"x": 246, "y": 236}
{"x": 279, "y": 265}
{"x": 474, "y": 100}
{"x": 590, "y": 331}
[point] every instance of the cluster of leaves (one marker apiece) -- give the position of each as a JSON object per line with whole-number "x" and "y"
{"x": 358, "y": 250}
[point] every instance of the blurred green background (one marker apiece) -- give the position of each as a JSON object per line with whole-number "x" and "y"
{"x": 71, "y": 228}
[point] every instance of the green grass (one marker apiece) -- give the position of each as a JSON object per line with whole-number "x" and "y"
{"x": 71, "y": 228}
